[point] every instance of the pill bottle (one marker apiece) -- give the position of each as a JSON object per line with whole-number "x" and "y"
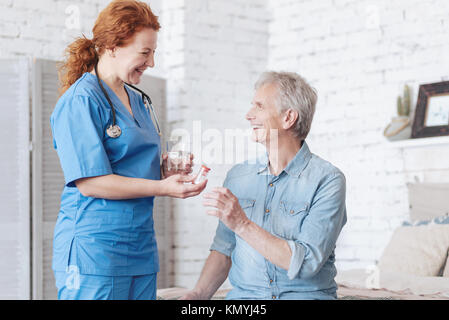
{"x": 202, "y": 174}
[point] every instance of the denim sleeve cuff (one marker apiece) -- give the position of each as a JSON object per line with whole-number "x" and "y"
{"x": 226, "y": 250}
{"x": 224, "y": 240}
{"x": 298, "y": 253}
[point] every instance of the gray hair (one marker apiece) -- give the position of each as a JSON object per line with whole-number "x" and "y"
{"x": 293, "y": 93}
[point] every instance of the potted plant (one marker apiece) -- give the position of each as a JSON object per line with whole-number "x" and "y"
{"x": 400, "y": 126}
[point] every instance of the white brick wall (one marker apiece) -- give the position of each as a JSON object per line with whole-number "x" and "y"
{"x": 358, "y": 55}
{"x": 43, "y": 28}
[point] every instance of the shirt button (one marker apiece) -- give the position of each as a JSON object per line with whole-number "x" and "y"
{"x": 267, "y": 210}
{"x": 271, "y": 281}
{"x": 274, "y": 297}
{"x": 292, "y": 212}
{"x": 271, "y": 184}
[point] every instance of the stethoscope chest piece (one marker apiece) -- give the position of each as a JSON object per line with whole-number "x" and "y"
{"x": 114, "y": 131}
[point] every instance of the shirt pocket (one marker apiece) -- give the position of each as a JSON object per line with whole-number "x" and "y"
{"x": 288, "y": 220}
{"x": 117, "y": 148}
{"x": 106, "y": 225}
{"x": 247, "y": 205}
{"x": 135, "y": 153}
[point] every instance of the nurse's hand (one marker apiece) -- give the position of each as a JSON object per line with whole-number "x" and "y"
{"x": 186, "y": 169}
{"x": 181, "y": 186}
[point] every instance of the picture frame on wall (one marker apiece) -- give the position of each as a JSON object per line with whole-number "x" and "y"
{"x": 432, "y": 111}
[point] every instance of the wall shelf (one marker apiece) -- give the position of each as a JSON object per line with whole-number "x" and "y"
{"x": 420, "y": 142}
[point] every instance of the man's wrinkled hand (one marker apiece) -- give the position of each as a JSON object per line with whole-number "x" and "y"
{"x": 226, "y": 207}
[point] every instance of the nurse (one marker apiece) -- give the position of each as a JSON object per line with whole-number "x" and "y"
{"x": 104, "y": 243}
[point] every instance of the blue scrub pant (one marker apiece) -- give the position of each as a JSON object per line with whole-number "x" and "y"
{"x": 94, "y": 287}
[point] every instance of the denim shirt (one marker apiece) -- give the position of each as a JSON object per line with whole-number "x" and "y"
{"x": 304, "y": 205}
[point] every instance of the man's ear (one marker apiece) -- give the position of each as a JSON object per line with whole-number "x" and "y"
{"x": 290, "y": 118}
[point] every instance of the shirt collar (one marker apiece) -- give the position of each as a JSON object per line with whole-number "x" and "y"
{"x": 295, "y": 166}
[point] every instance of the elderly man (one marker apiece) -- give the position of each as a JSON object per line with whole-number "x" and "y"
{"x": 279, "y": 218}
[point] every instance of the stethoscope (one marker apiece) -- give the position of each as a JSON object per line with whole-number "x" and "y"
{"x": 114, "y": 130}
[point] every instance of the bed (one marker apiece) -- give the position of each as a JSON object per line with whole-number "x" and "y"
{"x": 415, "y": 263}
{"x": 353, "y": 285}
{"x": 349, "y": 290}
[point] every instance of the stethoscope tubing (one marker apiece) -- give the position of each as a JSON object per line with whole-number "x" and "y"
{"x": 149, "y": 107}
{"x": 114, "y": 130}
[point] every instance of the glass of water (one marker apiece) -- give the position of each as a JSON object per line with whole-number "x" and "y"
{"x": 178, "y": 156}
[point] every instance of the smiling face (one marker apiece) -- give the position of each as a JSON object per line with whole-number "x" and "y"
{"x": 264, "y": 115}
{"x": 132, "y": 59}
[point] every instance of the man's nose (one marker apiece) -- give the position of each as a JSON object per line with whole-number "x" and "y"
{"x": 249, "y": 115}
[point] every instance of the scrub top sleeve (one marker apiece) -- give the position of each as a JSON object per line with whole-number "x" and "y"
{"x": 77, "y": 128}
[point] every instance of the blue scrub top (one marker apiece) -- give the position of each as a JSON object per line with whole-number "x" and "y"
{"x": 100, "y": 236}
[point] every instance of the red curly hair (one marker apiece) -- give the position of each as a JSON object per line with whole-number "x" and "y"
{"x": 115, "y": 26}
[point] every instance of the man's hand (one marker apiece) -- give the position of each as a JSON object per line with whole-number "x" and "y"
{"x": 227, "y": 209}
{"x": 191, "y": 295}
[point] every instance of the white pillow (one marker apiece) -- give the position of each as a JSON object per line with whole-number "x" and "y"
{"x": 419, "y": 249}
